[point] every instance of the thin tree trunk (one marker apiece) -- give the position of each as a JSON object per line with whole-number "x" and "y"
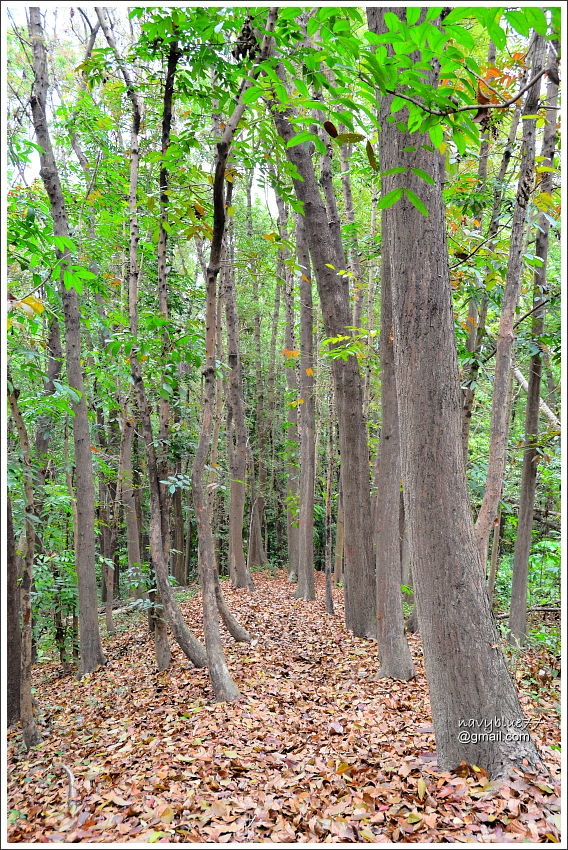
{"x": 257, "y": 552}
{"x": 505, "y": 336}
{"x": 354, "y": 261}
{"x": 168, "y": 376}
{"x": 467, "y": 674}
{"x": 129, "y": 509}
{"x": 306, "y": 581}
{"x": 339, "y": 537}
{"x": 396, "y": 661}
{"x": 330, "y": 477}
{"x": 523, "y": 540}
{"x": 292, "y": 433}
{"x": 237, "y": 441}
{"x": 90, "y": 644}
{"x": 479, "y": 315}
{"x": 524, "y": 384}
{"x": 224, "y": 687}
{"x": 334, "y": 298}
{"x": 494, "y": 558}
{"x": 30, "y": 731}
{"x": 186, "y": 640}
{"x": 13, "y": 628}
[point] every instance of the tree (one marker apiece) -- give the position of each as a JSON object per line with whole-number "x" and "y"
{"x": 90, "y": 643}
{"x": 499, "y": 417}
{"x": 13, "y": 628}
{"x": 334, "y": 297}
{"x": 518, "y": 616}
{"x": 467, "y": 675}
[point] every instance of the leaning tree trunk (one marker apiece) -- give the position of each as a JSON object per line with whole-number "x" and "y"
{"x": 224, "y": 687}
{"x": 467, "y": 675}
{"x": 186, "y": 640}
{"x": 518, "y": 616}
{"x": 90, "y": 643}
{"x": 334, "y": 297}
{"x": 505, "y": 336}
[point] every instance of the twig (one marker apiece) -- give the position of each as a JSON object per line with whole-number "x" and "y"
{"x": 475, "y": 106}
{"x": 71, "y": 780}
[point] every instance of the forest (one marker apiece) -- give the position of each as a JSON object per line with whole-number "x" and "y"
{"x": 282, "y": 393}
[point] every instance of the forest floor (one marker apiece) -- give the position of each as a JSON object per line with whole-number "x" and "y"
{"x": 317, "y": 750}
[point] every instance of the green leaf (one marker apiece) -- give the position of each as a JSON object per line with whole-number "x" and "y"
{"x": 518, "y": 21}
{"x": 389, "y": 199}
{"x": 63, "y": 242}
{"x": 436, "y": 134}
{"x": 415, "y": 201}
{"x": 400, "y": 169}
{"x": 423, "y": 175}
{"x": 397, "y": 104}
{"x": 497, "y": 35}
{"x": 537, "y": 19}
{"x": 303, "y": 137}
{"x": 461, "y": 35}
{"x": 392, "y": 21}
{"x": 412, "y": 14}
{"x": 252, "y": 94}
{"x": 70, "y": 281}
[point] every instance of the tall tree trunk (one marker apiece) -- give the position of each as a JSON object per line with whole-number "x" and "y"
{"x": 339, "y": 536}
{"x": 186, "y": 640}
{"x": 396, "y": 661}
{"x": 505, "y": 336}
{"x": 330, "y": 479}
{"x": 223, "y": 685}
{"x": 354, "y": 261}
{"x": 518, "y": 616}
{"x": 467, "y": 674}
{"x": 129, "y": 509}
{"x": 165, "y": 409}
{"x": 13, "y": 628}
{"x": 334, "y": 298}
{"x": 236, "y": 441}
{"x": 494, "y": 557}
{"x": 90, "y": 643}
{"x": 478, "y": 315}
{"x": 30, "y": 731}
{"x": 257, "y": 552}
{"x": 292, "y": 433}
{"x": 306, "y": 581}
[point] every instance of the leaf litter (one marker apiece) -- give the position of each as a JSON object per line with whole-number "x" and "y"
{"x": 317, "y": 749}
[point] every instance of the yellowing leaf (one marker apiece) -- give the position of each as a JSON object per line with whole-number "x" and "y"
{"x": 166, "y": 814}
{"x": 309, "y": 371}
{"x": 33, "y": 303}
{"x": 343, "y": 767}
{"x": 421, "y": 788}
{"x": 413, "y": 817}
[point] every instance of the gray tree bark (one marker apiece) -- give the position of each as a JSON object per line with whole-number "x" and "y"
{"x": 505, "y": 337}
{"x": 518, "y": 615}
{"x": 334, "y": 298}
{"x": 306, "y": 581}
{"x": 467, "y": 674}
